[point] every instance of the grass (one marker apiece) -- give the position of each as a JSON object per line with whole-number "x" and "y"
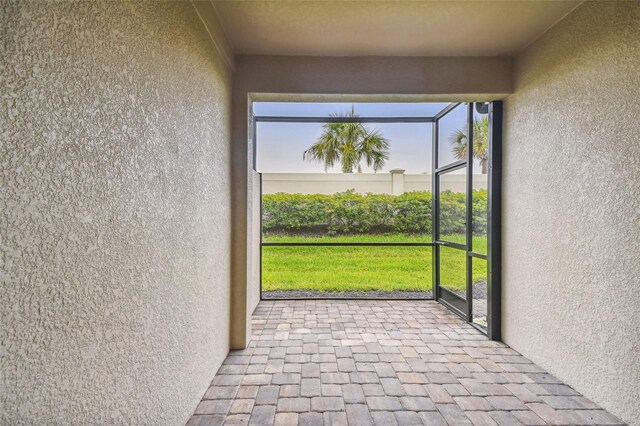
{"x": 364, "y": 268}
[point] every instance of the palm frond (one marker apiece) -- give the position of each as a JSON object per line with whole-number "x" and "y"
{"x": 349, "y": 144}
{"x": 459, "y": 141}
{"x": 374, "y": 149}
{"x": 326, "y": 149}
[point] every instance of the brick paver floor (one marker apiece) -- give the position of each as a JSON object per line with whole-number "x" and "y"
{"x": 358, "y": 362}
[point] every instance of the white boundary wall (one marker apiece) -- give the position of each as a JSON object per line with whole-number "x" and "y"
{"x": 395, "y": 182}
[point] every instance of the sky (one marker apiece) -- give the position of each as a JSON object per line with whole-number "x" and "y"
{"x": 280, "y": 145}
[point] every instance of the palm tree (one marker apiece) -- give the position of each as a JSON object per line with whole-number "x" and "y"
{"x": 349, "y": 144}
{"x": 480, "y": 142}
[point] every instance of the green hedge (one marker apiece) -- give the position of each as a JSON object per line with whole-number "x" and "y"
{"x": 352, "y": 213}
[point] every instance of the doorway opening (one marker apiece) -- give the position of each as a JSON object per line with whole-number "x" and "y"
{"x": 380, "y": 200}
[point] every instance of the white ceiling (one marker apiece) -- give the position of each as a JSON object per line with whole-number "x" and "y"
{"x": 387, "y": 28}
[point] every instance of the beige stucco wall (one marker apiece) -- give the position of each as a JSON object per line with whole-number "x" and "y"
{"x": 375, "y": 183}
{"x": 326, "y": 183}
{"x": 375, "y": 75}
{"x": 114, "y": 212}
{"x": 253, "y": 266}
{"x": 571, "y": 266}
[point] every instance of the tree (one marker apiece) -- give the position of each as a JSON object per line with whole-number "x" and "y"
{"x": 349, "y": 144}
{"x": 480, "y": 142}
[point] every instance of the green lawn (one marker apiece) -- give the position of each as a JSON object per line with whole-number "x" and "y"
{"x": 363, "y": 268}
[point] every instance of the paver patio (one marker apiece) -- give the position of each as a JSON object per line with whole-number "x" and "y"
{"x": 360, "y": 362}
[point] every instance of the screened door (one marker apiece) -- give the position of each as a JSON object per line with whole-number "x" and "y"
{"x": 466, "y": 218}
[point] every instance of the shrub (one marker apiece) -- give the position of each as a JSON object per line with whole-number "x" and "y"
{"x": 348, "y": 213}
{"x": 452, "y": 213}
{"x": 381, "y": 211}
{"x": 294, "y": 212}
{"x": 479, "y": 223}
{"x": 413, "y": 213}
{"x": 352, "y": 213}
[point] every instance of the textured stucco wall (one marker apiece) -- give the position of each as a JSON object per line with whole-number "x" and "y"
{"x": 114, "y": 212}
{"x": 374, "y": 75}
{"x": 571, "y": 267}
{"x": 254, "y": 260}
